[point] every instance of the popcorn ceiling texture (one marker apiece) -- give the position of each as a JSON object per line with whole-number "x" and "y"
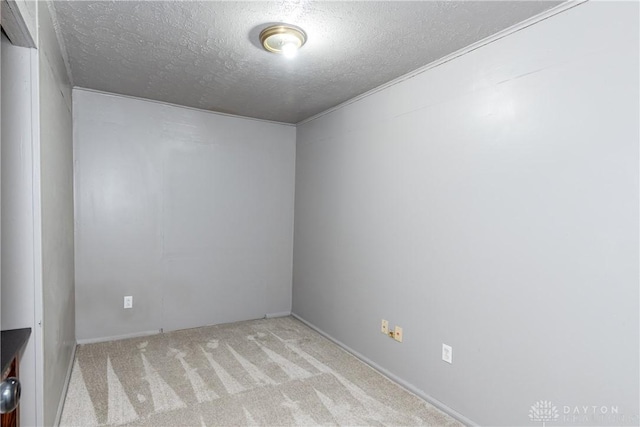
{"x": 207, "y": 55}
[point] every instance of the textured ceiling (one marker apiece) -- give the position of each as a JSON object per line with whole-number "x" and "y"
{"x": 206, "y": 54}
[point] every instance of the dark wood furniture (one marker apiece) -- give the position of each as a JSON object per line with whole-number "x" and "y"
{"x": 13, "y": 343}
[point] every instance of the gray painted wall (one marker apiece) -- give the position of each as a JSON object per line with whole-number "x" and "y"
{"x": 18, "y": 227}
{"x": 56, "y": 192}
{"x": 490, "y": 203}
{"x": 189, "y": 212}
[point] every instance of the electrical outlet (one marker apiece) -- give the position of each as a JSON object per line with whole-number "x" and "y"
{"x": 385, "y": 327}
{"x": 128, "y": 302}
{"x": 398, "y": 334}
{"x": 447, "y": 353}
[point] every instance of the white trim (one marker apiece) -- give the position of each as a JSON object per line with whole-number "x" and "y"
{"x": 465, "y": 50}
{"x": 15, "y": 26}
{"x": 118, "y": 337}
{"x": 38, "y": 294}
{"x": 280, "y": 314}
{"x": 404, "y": 384}
{"x": 65, "y": 388}
{"x": 169, "y": 104}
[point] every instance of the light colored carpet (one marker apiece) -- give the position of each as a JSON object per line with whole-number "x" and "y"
{"x": 268, "y": 372}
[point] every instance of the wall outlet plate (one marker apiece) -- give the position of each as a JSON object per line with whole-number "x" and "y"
{"x": 447, "y": 353}
{"x": 385, "y": 327}
{"x": 397, "y": 335}
{"x": 128, "y": 302}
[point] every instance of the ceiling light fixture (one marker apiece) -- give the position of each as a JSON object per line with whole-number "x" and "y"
{"x": 283, "y": 39}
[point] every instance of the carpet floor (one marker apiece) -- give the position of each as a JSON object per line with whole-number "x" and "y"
{"x": 267, "y": 372}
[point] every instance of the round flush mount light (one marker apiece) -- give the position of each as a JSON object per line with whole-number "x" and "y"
{"x": 283, "y": 39}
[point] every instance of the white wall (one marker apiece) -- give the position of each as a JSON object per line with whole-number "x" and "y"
{"x": 18, "y": 256}
{"x": 56, "y": 198}
{"x": 189, "y": 212}
{"x": 490, "y": 203}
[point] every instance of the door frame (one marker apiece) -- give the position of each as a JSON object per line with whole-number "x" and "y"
{"x": 24, "y": 34}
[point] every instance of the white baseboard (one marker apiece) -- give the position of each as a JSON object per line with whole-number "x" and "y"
{"x": 67, "y": 380}
{"x": 280, "y": 314}
{"x": 117, "y": 337}
{"x": 404, "y": 384}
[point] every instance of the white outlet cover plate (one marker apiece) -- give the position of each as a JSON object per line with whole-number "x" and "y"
{"x": 398, "y": 335}
{"x": 128, "y": 302}
{"x": 447, "y": 353}
{"x": 385, "y": 326}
